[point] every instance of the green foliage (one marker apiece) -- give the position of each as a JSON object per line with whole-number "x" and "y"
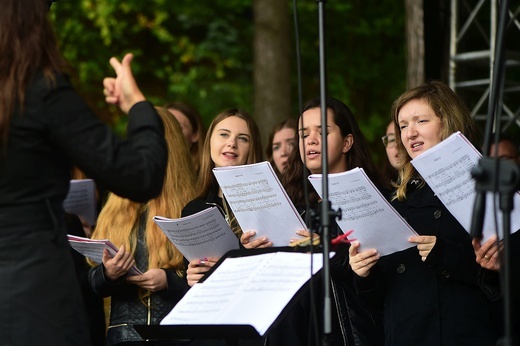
{"x": 365, "y": 56}
{"x": 201, "y": 52}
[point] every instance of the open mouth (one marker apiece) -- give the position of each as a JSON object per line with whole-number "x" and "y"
{"x": 229, "y": 154}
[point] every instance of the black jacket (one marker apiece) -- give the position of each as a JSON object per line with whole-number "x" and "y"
{"x": 199, "y": 204}
{"x": 492, "y": 286}
{"x": 352, "y": 322}
{"x": 436, "y": 302}
{"x": 54, "y": 131}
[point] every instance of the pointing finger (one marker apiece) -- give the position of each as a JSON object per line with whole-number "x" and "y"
{"x": 116, "y": 65}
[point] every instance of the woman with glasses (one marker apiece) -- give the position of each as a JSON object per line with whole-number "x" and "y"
{"x": 390, "y": 146}
{"x": 392, "y": 164}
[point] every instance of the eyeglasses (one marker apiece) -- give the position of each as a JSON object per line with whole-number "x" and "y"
{"x": 389, "y": 141}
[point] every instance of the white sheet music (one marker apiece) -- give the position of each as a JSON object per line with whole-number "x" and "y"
{"x": 259, "y": 202}
{"x": 81, "y": 200}
{"x": 446, "y": 168}
{"x": 376, "y": 224}
{"x": 93, "y": 249}
{"x": 203, "y": 234}
{"x": 237, "y": 292}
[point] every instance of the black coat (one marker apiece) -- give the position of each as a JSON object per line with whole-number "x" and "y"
{"x": 436, "y": 302}
{"x": 200, "y": 204}
{"x": 492, "y": 286}
{"x": 352, "y": 322}
{"x": 40, "y": 301}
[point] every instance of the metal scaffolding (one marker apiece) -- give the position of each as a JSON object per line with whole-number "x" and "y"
{"x": 472, "y": 44}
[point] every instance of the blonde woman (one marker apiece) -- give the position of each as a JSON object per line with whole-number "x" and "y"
{"x": 430, "y": 292}
{"x": 146, "y": 298}
{"x": 233, "y": 139}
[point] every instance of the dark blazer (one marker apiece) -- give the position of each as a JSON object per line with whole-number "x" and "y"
{"x": 200, "y": 204}
{"x": 436, "y": 302}
{"x": 40, "y": 300}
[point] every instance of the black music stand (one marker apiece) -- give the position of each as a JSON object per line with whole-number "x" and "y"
{"x": 229, "y": 334}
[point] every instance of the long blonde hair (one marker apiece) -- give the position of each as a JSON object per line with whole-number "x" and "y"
{"x": 119, "y": 218}
{"x": 447, "y": 106}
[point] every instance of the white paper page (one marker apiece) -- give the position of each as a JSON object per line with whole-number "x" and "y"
{"x": 375, "y": 223}
{"x": 81, "y": 200}
{"x": 201, "y": 235}
{"x": 259, "y": 202}
{"x": 93, "y": 249}
{"x": 446, "y": 168}
{"x": 250, "y": 290}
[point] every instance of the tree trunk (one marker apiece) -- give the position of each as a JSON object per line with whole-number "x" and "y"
{"x": 414, "y": 43}
{"x": 272, "y": 101}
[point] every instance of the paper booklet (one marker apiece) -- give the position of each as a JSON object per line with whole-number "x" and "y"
{"x": 259, "y": 202}
{"x": 446, "y": 168}
{"x": 81, "y": 200}
{"x": 93, "y": 249}
{"x": 201, "y": 235}
{"x": 250, "y": 290}
{"x": 375, "y": 223}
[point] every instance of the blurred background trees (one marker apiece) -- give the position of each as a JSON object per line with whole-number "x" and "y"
{"x": 240, "y": 53}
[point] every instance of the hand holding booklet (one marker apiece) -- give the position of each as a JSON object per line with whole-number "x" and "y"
{"x": 446, "y": 168}
{"x": 375, "y": 223}
{"x": 201, "y": 235}
{"x": 93, "y": 249}
{"x": 259, "y": 202}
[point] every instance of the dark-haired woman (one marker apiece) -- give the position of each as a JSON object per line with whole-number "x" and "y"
{"x": 352, "y": 322}
{"x": 45, "y": 129}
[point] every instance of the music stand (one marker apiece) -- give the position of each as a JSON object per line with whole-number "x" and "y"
{"x": 230, "y": 334}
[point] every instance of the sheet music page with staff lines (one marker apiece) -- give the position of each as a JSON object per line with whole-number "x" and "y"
{"x": 376, "y": 224}
{"x": 239, "y": 289}
{"x": 446, "y": 168}
{"x": 203, "y": 234}
{"x": 259, "y": 202}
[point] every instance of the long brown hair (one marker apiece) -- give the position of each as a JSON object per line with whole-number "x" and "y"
{"x": 27, "y": 45}
{"x": 286, "y": 124}
{"x": 206, "y": 177}
{"x": 119, "y": 218}
{"x": 452, "y": 112}
{"x": 357, "y": 156}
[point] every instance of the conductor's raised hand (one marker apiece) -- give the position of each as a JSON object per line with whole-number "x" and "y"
{"x": 362, "y": 262}
{"x": 122, "y": 90}
{"x": 119, "y": 265}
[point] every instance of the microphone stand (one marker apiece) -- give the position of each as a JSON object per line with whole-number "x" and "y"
{"x": 326, "y": 212}
{"x": 497, "y": 175}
